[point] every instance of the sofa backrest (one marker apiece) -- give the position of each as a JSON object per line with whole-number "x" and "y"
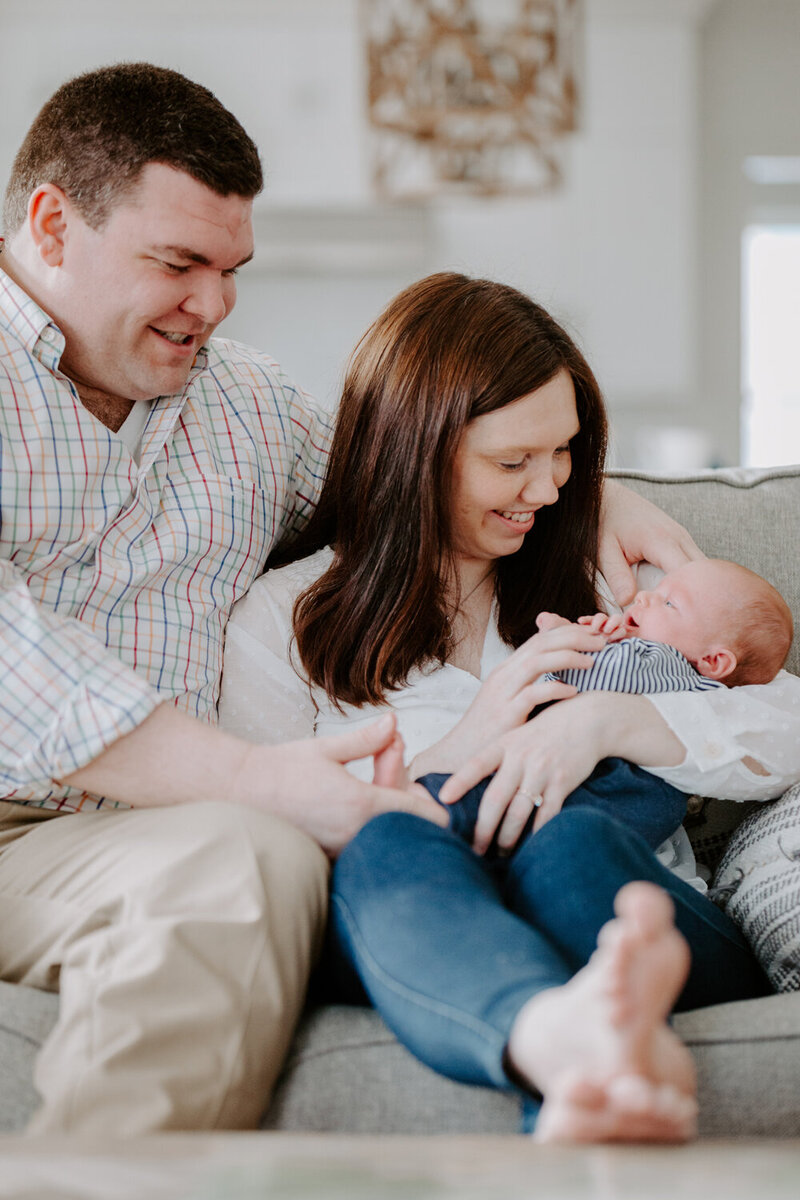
{"x": 747, "y": 515}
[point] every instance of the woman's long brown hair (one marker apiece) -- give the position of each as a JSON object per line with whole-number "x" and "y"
{"x": 446, "y": 350}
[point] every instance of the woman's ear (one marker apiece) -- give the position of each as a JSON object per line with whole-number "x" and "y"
{"x": 719, "y": 664}
{"x": 48, "y": 211}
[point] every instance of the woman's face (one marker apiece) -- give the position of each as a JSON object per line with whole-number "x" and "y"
{"x": 509, "y": 464}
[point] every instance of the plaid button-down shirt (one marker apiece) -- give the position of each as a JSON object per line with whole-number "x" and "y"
{"x": 116, "y": 580}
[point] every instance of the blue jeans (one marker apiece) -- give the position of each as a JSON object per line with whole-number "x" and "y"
{"x": 449, "y": 946}
{"x": 646, "y": 804}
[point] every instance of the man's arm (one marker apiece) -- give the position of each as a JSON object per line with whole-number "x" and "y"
{"x": 634, "y": 530}
{"x": 66, "y": 697}
{"x": 172, "y": 758}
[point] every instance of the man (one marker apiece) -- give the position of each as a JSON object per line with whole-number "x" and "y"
{"x": 147, "y": 472}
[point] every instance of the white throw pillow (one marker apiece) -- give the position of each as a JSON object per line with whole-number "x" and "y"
{"x": 758, "y": 885}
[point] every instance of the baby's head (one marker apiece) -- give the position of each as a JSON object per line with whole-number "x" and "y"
{"x": 730, "y": 623}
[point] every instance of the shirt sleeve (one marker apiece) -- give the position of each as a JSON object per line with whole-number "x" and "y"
{"x": 263, "y": 698}
{"x": 742, "y": 743}
{"x": 65, "y": 696}
{"x": 312, "y": 430}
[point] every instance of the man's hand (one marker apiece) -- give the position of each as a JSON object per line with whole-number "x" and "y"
{"x": 310, "y": 787}
{"x": 172, "y": 758}
{"x": 634, "y": 530}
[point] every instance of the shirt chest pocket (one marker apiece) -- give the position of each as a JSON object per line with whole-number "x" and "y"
{"x": 212, "y": 532}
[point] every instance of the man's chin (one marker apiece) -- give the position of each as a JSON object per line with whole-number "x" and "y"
{"x": 161, "y": 383}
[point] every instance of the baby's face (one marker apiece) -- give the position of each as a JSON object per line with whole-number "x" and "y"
{"x": 687, "y": 610}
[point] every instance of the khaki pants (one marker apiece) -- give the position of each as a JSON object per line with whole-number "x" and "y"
{"x": 181, "y": 940}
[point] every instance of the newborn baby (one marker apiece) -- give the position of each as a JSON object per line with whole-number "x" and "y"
{"x": 708, "y": 623}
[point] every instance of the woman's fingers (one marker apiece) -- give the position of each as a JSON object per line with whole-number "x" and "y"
{"x": 562, "y": 651}
{"x": 526, "y": 800}
{"x": 471, "y": 773}
{"x": 495, "y": 802}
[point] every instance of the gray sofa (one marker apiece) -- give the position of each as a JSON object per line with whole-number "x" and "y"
{"x": 347, "y": 1073}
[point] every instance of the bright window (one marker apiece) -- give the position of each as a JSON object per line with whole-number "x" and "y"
{"x": 771, "y": 345}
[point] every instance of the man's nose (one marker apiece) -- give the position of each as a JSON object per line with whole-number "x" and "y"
{"x": 208, "y": 298}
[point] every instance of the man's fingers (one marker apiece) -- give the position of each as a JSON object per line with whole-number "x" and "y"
{"x": 616, "y": 571}
{"x": 414, "y": 800}
{"x": 360, "y": 743}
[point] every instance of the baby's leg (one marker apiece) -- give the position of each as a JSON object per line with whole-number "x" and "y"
{"x": 464, "y": 812}
{"x": 640, "y": 801}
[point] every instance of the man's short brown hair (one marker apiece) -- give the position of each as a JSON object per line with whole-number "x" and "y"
{"x": 96, "y": 134}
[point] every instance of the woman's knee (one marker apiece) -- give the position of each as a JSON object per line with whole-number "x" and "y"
{"x": 387, "y": 837}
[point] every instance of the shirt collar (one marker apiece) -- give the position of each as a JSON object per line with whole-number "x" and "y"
{"x": 29, "y": 324}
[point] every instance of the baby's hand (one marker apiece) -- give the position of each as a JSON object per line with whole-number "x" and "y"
{"x": 612, "y": 625}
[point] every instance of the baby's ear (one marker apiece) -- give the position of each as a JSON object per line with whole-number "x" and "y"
{"x": 719, "y": 664}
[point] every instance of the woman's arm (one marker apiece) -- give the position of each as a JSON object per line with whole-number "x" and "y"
{"x": 552, "y": 755}
{"x": 510, "y": 692}
{"x": 741, "y": 743}
{"x": 734, "y": 743}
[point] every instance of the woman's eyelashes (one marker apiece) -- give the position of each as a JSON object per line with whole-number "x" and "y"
{"x": 560, "y": 452}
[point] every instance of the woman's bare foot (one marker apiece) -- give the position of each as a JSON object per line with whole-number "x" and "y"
{"x": 599, "y": 1048}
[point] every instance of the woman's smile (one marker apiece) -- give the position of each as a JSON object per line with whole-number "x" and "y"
{"x": 521, "y": 521}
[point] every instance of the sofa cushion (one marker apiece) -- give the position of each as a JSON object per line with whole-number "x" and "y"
{"x": 26, "y": 1018}
{"x": 758, "y": 885}
{"x": 347, "y": 1073}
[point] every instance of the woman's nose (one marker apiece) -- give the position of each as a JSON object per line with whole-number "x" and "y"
{"x": 542, "y": 489}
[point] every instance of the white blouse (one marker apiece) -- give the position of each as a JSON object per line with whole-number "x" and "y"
{"x": 266, "y": 698}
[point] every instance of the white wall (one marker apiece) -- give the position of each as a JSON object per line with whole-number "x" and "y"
{"x": 613, "y": 253}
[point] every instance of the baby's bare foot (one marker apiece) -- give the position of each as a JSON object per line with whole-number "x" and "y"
{"x": 599, "y": 1048}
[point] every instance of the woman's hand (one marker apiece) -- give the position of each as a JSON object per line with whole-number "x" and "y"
{"x": 511, "y": 692}
{"x": 548, "y": 757}
{"x": 634, "y": 530}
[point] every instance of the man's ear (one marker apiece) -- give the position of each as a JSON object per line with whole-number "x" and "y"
{"x": 719, "y": 664}
{"x": 48, "y": 212}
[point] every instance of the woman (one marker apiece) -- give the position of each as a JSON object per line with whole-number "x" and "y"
{"x": 463, "y": 497}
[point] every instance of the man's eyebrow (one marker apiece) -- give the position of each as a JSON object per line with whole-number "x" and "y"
{"x": 193, "y": 256}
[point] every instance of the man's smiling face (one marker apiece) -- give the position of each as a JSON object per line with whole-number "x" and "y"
{"x": 137, "y": 298}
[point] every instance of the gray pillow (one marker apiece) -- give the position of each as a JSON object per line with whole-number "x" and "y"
{"x": 758, "y": 885}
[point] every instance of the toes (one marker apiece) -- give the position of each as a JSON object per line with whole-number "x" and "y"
{"x": 645, "y": 904}
{"x": 628, "y": 1108}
